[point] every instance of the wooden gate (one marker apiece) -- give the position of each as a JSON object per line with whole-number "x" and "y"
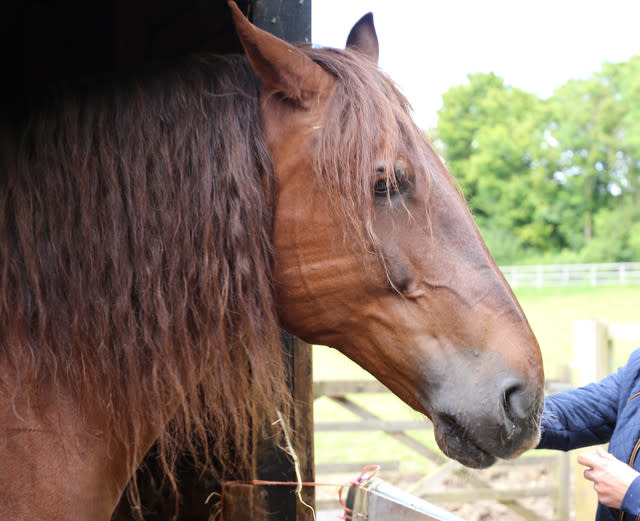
{"x": 473, "y": 486}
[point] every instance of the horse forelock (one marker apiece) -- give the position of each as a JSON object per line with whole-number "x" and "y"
{"x": 368, "y": 121}
{"x": 135, "y": 246}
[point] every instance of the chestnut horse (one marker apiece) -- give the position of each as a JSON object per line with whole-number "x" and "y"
{"x": 156, "y": 233}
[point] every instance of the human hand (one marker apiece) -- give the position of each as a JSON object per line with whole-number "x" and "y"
{"x": 611, "y": 477}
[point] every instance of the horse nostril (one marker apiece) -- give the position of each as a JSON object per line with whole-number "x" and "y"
{"x": 517, "y": 402}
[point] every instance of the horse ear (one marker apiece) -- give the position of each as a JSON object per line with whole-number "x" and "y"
{"x": 363, "y": 38}
{"x": 281, "y": 66}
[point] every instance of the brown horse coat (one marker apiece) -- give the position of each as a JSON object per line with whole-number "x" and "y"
{"x": 155, "y": 234}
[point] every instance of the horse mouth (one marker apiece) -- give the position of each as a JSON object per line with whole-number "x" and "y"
{"x": 455, "y": 441}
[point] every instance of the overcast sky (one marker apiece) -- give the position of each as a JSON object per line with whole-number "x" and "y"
{"x": 428, "y": 46}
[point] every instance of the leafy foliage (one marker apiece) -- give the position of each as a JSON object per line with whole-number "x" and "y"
{"x": 549, "y": 178}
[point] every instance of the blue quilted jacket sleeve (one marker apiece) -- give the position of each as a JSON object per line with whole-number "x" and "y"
{"x": 631, "y": 499}
{"x": 581, "y": 417}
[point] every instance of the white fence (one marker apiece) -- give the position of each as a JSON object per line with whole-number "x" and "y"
{"x": 605, "y": 274}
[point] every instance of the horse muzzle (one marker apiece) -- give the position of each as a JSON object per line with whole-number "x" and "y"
{"x": 483, "y": 429}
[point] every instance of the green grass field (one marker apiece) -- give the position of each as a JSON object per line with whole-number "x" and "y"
{"x": 551, "y": 312}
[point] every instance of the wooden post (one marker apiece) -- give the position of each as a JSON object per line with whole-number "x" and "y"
{"x": 591, "y": 351}
{"x": 563, "y": 469}
{"x": 273, "y": 463}
{"x": 291, "y": 21}
{"x": 286, "y": 19}
{"x": 592, "y": 359}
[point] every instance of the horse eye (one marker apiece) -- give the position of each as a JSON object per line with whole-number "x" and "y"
{"x": 400, "y": 170}
{"x": 390, "y": 184}
{"x": 383, "y": 185}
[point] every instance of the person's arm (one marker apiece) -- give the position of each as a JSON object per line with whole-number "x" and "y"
{"x": 581, "y": 417}
{"x": 615, "y": 482}
{"x": 631, "y": 499}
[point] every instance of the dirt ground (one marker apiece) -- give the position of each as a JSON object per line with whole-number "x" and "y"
{"x": 506, "y": 477}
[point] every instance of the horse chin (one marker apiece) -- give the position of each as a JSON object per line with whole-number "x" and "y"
{"x": 456, "y": 444}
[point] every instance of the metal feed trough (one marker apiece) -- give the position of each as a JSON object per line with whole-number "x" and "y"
{"x": 376, "y": 500}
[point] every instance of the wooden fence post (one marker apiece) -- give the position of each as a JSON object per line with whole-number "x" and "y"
{"x": 592, "y": 362}
{"x": 563, "y": 468}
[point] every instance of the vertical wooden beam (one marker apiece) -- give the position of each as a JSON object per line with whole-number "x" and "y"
{"x": 591, "y": 351}
{"x": 304, "y": 425}
{"x": 291, "y": 21}
{"x": 592, "y": 359}
{"x": 563, "y": 480}
{"x": 286, "y": 19}
{"x": 273, "y": 463}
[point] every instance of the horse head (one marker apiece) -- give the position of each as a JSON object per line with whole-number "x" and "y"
{"x": 377, "y": 254}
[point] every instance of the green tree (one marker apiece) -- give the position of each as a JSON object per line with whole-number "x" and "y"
{"x": 624, "y": 79}
{"x": 586, "y": 116}
{"x": 617, "y": 235}
{"x": 549, "y": 177}
{"x": 490, "y": 134}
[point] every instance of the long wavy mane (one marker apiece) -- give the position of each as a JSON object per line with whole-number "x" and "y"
{"x": 136, "y": 253}
{"x": 135, "y": 249}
